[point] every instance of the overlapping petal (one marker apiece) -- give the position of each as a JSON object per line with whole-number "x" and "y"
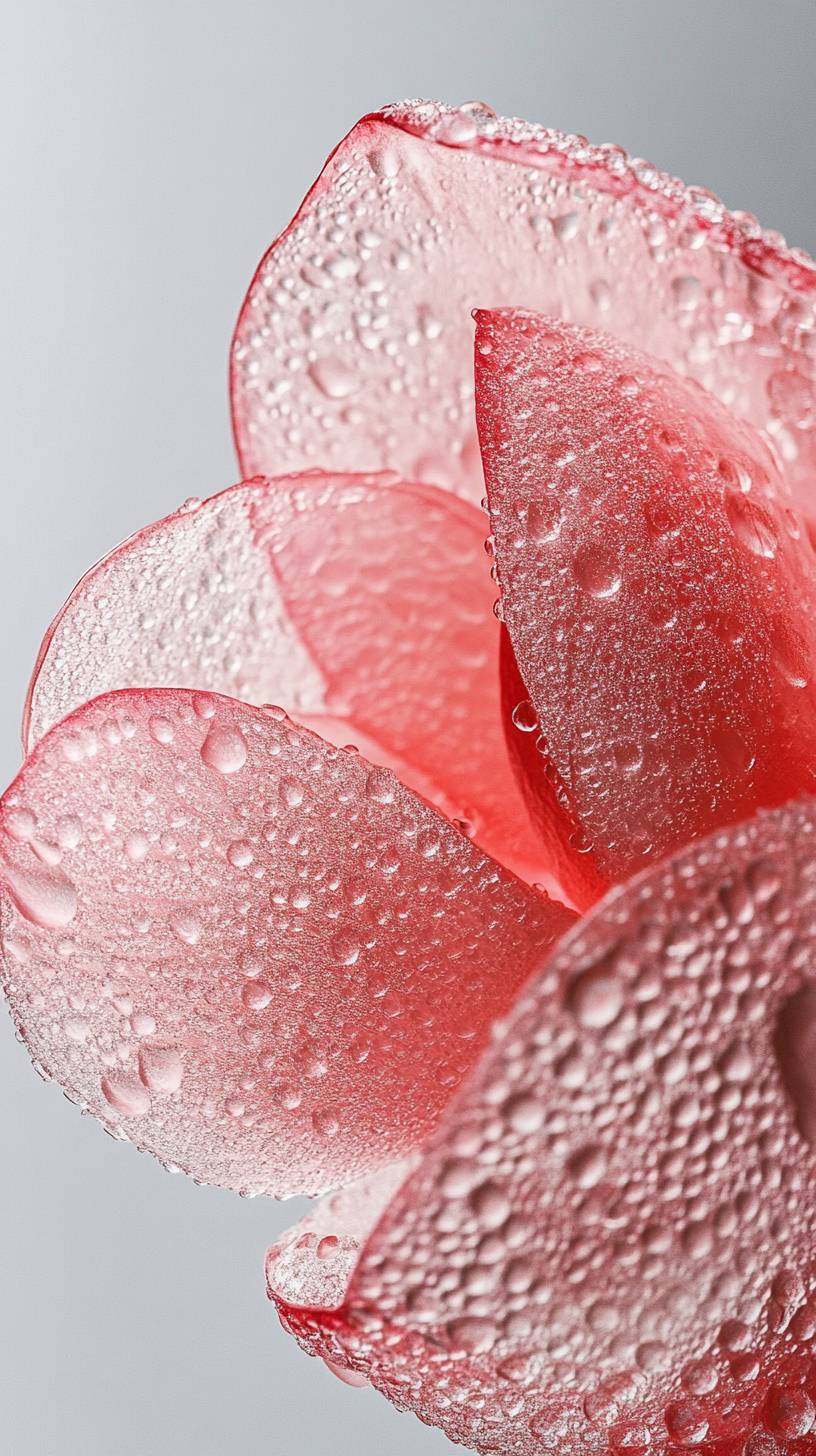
{"x": 361, "y": 604}
{"x": 254, "y": 954}
{"x": 354, "y": 350}
{"x": 658, "y": 587}
{"x": 607, "y": 1244}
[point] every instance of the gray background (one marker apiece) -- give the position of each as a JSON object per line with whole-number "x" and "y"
{"x": 151, "y": 151}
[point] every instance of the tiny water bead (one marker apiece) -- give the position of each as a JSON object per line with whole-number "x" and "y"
{"x": 259, "y": 957}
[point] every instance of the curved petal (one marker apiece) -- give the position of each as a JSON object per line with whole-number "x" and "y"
{"x": 353, "y": 347}
{"x": 607, "y": 1245}
{"x": 360, "y": 603}
{"x": 657, "y": 587}
{"x": 255, "y": 955}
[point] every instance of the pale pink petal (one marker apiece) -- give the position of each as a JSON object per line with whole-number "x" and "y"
{"x": 607, "y": 1245}
{"x": 361, "y": 604}
{"x": 658, "y": 587}
{"x": 251, "y": 953}
{"x": 353, "y": 348}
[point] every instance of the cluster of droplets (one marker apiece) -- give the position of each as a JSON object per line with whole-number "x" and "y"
{"x": 234, "y": 942}
{"x": 367, "y": 294}
{"x": 648, "y": 553}
{"x": 609, "y": 1245}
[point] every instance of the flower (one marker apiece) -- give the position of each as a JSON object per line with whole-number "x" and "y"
{"x": 576, "y": 1156}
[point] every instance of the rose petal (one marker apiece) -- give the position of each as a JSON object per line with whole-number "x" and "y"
{"x": 362, "y": 604}
{"x": 257, "y": 956}
{"x": 657, "y": 586}
{"x": 607, "y": 1245}
{"x": 423, "y": 212}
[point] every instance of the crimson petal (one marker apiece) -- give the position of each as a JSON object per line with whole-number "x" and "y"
{"x": 252, "y": 953}
{"x": 607, "y": 1245}
{"x": 360, "y": 603}
{"x": 657, "y": 586}
{"x": 353, "y": 347}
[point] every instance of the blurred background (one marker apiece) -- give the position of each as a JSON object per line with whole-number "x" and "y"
{"x": 150, "y": 153}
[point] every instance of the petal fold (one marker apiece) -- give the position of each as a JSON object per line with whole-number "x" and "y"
{"x": 659, "y": 590}
{"x": 362, "y": 604}
{"x": 254, "y": 954}
{"x": 607, "y": 1244}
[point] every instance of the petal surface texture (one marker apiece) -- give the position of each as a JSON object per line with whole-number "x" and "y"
{"x": 607, "y": 1245}
{"x": 353, "y": 347}
{"x": 361, "y": 604}
{"x": 248, "y": 951}
{"x": 657, "y": 587}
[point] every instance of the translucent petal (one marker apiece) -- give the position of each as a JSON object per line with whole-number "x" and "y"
{"x": 607, "y": 1244}
{"x": 362, "y": 604}
{"x": 248, "y": 951}
{"x": 353, "y": 347}
{"x": 658, "y": 587}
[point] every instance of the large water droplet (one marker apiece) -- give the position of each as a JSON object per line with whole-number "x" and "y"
{"x": 126, "y": 1095}
{"x": 596, "y": 570}
{"x": 333, "y": 378}
{"x": 42, "y": 893}
{"x": 161, "y": 1069}
{"x": 796, "y": 1056}
{"x": 751, "y": 524}
{"x": 224, "y": 748}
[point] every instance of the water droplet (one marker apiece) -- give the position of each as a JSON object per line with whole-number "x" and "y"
{"x": 490, "y": 1205}
{"x": 457, "y": 129}
{"x": 595, "y": 998}
{"x": 545, "y": 518}
{"x": 524, "y": 1113}
{"x": 379, "y": 786}
{"x": 185, "y": 926}
{"x": 525, "y": 717}
{"x": 161, "y": 729}
{"x": 796, "y": 1056}
{"x": 224, "y": 748}
{"x": 126, "y": 1095}
{"x": 43, "y": 894}
{"x": 333, "y": 378}
{"x": 587, "y": 1166}
{"x": 256, "y": 996}
{"x": 161, "y": 1069}
{"x": 596, "y": 571}
{"x": 751, "y": 524}
{"x": 472, "y": 1334}
{"x": 789, "y": 1413}
{"x": 345, "y": 949}
{"x": 628, "y": 757}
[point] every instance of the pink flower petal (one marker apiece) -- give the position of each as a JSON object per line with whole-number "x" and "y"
{"x": 424, "y": 212}
{"x": 362, "y": 604}
{"x": 607, "y": 1245}
{"x": 253, "y": 954}
{"x": 657, "y": 586}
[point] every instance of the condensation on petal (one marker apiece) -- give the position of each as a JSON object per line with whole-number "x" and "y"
{"x": 607, "y": 1244}
{"x": 361, "y": 604}
{"x": 658, "y": 590}
{"x": 353, "y": 347}
{"x": 226, "y": 938}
